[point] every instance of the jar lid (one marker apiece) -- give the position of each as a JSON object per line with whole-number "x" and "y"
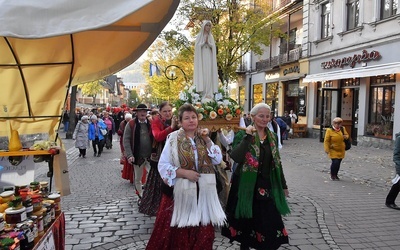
{"x": 6, "y": 194}
{"x": 10, "y": 210}
{"x": 43, "y": 183}
{"x": 54, "y": 196}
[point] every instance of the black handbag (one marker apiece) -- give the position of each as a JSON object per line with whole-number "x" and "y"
{"x": 347, "y": 142}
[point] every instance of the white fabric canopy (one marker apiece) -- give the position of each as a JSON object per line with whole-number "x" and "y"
{"x": 49, "y": 45}
{"x": 383, "y": 69}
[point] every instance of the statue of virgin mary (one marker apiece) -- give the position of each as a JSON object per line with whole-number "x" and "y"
{"x": 205, "y": 76}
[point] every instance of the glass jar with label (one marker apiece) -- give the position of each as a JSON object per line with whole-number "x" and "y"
{"x": 15, "y": 216}
{"x": 35, "y": 186}
{"x": 52, "y": 209}
{"x": 37, "y": 202}
{"x": 57, "y": 202}
{"x": 29, "y": 207}
{"x": 7, "y": 196}
{"x": 44, "y": 188}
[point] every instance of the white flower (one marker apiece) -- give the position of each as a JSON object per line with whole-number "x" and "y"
{"x": 220, "y": 103}
{"x": 191, "y": 89}
{"x": 227, "y": 102}
{"x": 195, "y": 97}
{"x": 183, "y": 96}
{"x": 218, "y": 96}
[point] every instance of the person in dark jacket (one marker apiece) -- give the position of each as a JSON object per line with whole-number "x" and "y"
{"x": 138, "y": 141}
{"x": 257, "y": 198}
{"x": 394, "y": 191}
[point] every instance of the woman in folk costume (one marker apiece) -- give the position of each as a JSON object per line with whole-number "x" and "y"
{"x": 257, "y": 199}
{"x": 205, "y": 75}
{"x": 189, "y": 207}
{"x": 162, "y": 125}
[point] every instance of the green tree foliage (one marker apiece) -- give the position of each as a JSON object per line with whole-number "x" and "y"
{"x": 238, "y": 28}
{"x": 92, "y": 89}
{"x": 133, "y": 99}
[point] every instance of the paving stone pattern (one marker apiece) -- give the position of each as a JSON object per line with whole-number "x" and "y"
{"x": 102, "y": 213}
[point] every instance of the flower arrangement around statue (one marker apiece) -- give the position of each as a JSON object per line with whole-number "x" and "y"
{"x": 222, "y": 106}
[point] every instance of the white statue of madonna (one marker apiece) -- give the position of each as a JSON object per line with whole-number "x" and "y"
{"x": 205, "y": 76}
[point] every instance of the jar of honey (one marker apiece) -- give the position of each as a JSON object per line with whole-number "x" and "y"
{"x": 37, "y": 202}
{"x": 7, "y": 196}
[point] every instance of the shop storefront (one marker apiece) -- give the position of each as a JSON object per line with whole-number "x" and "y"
{"x": 359, "y": 86}
{"x": 281, "y": 89}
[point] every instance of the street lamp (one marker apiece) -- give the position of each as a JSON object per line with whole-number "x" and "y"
{"x": 171, "y": 70}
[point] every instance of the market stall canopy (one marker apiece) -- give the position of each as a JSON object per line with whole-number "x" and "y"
{"x": 49, "y": 45}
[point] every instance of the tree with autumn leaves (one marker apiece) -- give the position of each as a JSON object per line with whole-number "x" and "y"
{"x": 238, "y": 28}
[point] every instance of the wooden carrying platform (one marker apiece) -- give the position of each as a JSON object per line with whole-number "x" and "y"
{"x": 218, "y": 123}
{"x": 299, "y": 130}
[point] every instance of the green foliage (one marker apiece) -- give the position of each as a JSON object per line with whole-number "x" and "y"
{"x": 133, "y": 99}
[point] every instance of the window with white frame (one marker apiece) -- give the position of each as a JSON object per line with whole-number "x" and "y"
{"x": 326, "y": 20}
{"x": 388, "y": 8}
{"x": 353, "y": 14}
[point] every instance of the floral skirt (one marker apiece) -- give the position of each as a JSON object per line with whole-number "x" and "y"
{"x": 165, "y": 237}
{"x": 152, "y": 193}
{"x": 265, "y": 230}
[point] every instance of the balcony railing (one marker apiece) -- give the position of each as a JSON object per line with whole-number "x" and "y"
{"x": 293, "y": 56}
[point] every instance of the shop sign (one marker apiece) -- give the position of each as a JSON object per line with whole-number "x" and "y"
{"x": 352, "y": 60}
{"x": 302, "y": 101}
{"x": 271, "y": 76}
{"x": 294, "y": 69}
{"x": 16, "y": 171}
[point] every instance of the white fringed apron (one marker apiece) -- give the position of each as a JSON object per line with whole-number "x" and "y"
{"x": 190, "y": 210}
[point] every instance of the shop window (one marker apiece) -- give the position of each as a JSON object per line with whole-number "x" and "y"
{"x": 381, "y": 110}
{"x": 242, "y": 96}
{"x": 350, "y": 82}
{"x": 326, "y": 30}
{"x": 257, "y": 93}
{"x": 271, "y": 97}
{"x": 353, "y": 14}
{"x": 388, "y": 8}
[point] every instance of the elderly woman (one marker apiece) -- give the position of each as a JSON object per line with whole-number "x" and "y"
{"x": 189, "y": 207}
{"x": 257, "y": 199}
{"x": 334, "y": 145}
{"x": 96, "y": 134}
{"x": 81, "y": 136}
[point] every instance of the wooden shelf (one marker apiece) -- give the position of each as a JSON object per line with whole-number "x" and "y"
{"x": 23, "y": 153}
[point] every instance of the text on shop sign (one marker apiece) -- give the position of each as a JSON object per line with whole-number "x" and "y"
{"x": 351, "y": 60}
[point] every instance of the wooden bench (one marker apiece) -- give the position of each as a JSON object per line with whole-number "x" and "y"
{"x": 299, "y": 130}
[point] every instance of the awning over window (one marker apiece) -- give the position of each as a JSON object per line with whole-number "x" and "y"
{"x": 383, "y": 69}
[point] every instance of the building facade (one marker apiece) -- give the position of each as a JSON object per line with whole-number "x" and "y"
{"x": 341, "y": 59}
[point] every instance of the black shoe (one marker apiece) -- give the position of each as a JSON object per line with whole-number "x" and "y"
{"x": 393, "y": 206}
{"x": 84, "y": 156}
{"x": 95, "y": 154}
{"x": 98, "y": 155}
{"x": 79, "y": 155}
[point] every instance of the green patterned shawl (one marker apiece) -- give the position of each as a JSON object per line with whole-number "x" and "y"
{"x": 248, "y": 176}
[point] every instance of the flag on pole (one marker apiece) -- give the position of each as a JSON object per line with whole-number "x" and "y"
{"x": 154, "y": 70}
